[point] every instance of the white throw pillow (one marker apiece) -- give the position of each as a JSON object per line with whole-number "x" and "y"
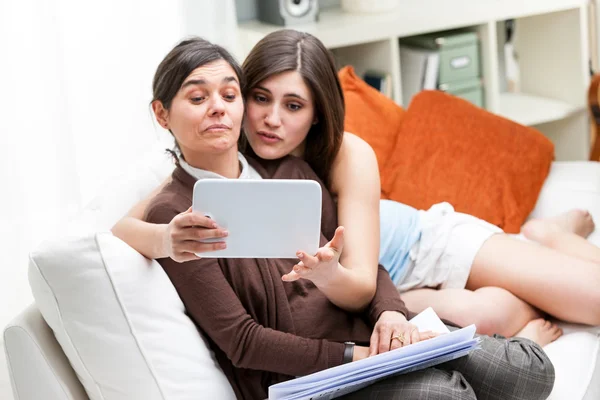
{"x": 121, "y": 323}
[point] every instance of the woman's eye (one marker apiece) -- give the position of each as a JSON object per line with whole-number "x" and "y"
{"x": 294, "y": 107}
{"x": 229, "y": 97}
{"x": 260, "y": 98}
{"x": 197, "y": 99}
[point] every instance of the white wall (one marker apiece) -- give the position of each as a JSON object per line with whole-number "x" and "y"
{"x": 75, "y": 79}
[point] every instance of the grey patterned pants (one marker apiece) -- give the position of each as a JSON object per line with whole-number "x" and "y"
{"x": 503, "y": 369}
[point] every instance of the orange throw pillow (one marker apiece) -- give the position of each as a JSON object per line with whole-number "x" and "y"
{"x": 370, "y": 115}
{"x": 484, "y": 165}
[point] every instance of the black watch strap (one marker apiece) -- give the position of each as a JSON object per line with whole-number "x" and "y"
{"x": 348, "y": 352}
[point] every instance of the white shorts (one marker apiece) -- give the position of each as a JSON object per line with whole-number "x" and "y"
{"x": 443, "y": 256}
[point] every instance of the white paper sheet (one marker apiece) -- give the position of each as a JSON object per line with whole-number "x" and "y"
{"x": 346, "y": 378}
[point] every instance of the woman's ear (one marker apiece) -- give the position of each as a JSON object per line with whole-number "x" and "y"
{"x": 161, "y": 114}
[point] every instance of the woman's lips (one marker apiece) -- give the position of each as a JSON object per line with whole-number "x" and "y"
{"x": 268, "y": 137}
{"x": 217, "y": 128}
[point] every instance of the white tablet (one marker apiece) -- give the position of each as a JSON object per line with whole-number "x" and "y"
{"x": 270, "y": 218}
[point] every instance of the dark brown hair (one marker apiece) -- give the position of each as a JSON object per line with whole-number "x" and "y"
{"x": 181, "y": 61}
{"x": 290, "y": 50}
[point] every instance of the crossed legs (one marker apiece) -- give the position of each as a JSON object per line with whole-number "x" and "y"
{"x": 511, "y": 280}
{"x": 503, "y": 369}
{"x": 559, "y": 284}
{"x": 491, "y": 309}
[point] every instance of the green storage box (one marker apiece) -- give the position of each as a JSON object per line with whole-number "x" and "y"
{"x": 470, "y": 90}
{"x": 458, "y": 53}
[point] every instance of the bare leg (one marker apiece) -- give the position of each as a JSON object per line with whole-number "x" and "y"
{"x": 491, "y": 309}
{"x": 561, "y": 285}
{"x": 540, "y": 331}
{"x": 550, "y": 234}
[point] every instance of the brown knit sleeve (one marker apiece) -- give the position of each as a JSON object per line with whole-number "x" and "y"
{"x": 215, "y": 308}
{"x": 386, "y": 297}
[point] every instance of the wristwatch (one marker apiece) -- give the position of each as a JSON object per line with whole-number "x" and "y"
{"x": 348, "y": 352}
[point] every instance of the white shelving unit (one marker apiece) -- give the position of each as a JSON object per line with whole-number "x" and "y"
{"x": 552, "y": 41}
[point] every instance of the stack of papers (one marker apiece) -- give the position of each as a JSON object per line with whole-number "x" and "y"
{"x": 347, "y": 378}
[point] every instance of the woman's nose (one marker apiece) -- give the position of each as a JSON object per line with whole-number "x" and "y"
{"x": 272, "y": 118}
{"x": 217, "y": 105}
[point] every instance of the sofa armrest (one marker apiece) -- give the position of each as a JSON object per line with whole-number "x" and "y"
{"x": 572, "y": 184}
{"x": 37, "y": 366}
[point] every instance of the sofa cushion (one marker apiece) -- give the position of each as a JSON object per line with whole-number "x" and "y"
{"x": 575, "y": 358}
{"x": 576, "y": 354}
{"x": 372, "y": 116}
{"x": 121, "y": 323}
{"x": 484, "y": 165}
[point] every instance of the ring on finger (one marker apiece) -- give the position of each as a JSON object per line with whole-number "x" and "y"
{"x": 399, "y": 337}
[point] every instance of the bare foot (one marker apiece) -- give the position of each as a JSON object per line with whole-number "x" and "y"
{"x": 576, "y": 221}
{"x": 540, "y": 331}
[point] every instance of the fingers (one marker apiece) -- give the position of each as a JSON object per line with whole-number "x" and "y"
{"x": 337, "y": 243}
{"x": 428, "y": 335}
{"x": 184, "y": 257}
{"x": 396, "y": 342}
{"x": 374, "y": 343}
{"x": 198, "y": 234}
{"x": 414, "y": 336}
{"x": 193, "y": 246}
{"x": 193, "y": 219}
{"x": 385, "y": 339}
{"x": 411, "y": 337}
{"x": 303, "y": 267}
{"x": 404, "y": 338}
{"x": 290, "y": 277}
{"x": 296, "y": 273}
{"x": 325, "y": 254}
{"x": 308, "y": 260}
{"x": 191, "y": 225}
{"x": 407, "y": 335}
{"x": 187, "y": 250}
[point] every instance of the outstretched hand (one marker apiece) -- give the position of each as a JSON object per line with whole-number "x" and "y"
{"x": 322, "y": 266}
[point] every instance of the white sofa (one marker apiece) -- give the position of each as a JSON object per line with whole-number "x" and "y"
{"x": 40, "y": 369}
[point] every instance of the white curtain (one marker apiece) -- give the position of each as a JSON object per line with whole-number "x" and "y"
{"x": 75, "y": 86}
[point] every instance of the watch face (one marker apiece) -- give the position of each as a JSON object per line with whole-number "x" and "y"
{"x": 297, "y": 8}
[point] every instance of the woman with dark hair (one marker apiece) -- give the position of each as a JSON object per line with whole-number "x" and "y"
{"x": 294, "y": 105}
{"x": 264, "y": 330}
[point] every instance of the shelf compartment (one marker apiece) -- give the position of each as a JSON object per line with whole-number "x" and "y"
{"x": 533, "y": 110}
{"x": 379, "y": 56}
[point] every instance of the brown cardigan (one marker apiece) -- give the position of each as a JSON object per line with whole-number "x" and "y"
{"x": 263, "y": 330}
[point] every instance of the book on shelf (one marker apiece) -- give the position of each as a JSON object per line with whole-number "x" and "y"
{"x": 347, "y": 378}
{"x": 420, "y": 69}
{"x": 379, "y": 80}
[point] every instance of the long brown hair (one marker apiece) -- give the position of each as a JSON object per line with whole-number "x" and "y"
{"x": 290, "y": 50}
